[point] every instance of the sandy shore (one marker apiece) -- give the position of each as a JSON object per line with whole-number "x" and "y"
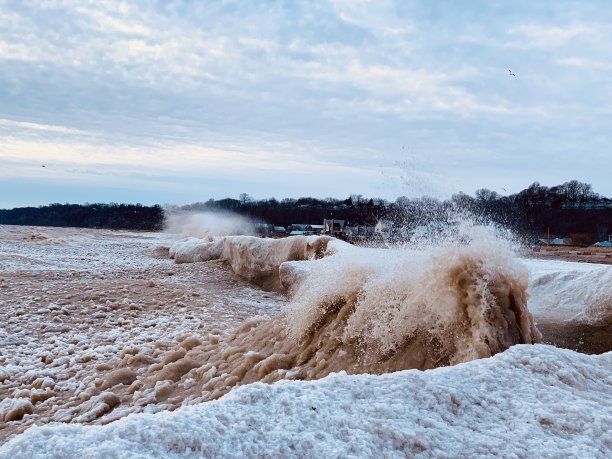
{"x": 602, "y": 255}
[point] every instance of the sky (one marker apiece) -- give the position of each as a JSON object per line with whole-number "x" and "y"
{"x": 182, "y": 101}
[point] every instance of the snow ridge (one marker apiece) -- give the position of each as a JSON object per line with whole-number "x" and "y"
{"x": 529, "y": 401}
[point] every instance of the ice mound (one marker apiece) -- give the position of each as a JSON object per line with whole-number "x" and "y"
{"x": 572, "y": 303}
{"x": 352, "y": 309}
{"x": 567, "y": 291}
{"x": 255, "y": 259}
{"x": 552, "y": 403}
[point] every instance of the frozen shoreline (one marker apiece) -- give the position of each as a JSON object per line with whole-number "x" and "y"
{"x": 529, "y": 401}
{"x": 80, "y": 304}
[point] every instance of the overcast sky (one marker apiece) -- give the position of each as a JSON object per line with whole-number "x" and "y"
{"x": 180, "y": 101}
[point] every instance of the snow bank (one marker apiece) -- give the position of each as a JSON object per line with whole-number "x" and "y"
{"x": 567, "y": 291}
{"x": 552, "y": 403}
{"x": 255, "y": 259}
{"x": 572, "y": 303}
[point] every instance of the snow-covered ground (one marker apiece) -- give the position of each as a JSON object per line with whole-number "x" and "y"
{"x": 100, "y": 324}
{"x": 530, "y": 401}
{"x": 75, "y": 304}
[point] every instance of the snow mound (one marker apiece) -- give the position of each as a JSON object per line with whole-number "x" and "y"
{"x": 572, "y": 304}
{"x": 552, "y": 403}
{"x": 570, "y": 292}
{"x": 255, "y": 259}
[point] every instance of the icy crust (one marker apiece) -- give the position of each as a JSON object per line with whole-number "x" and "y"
{"x": 255, "y": 259}
{"x": 570, "y": 292}
{"x": 530, "y": 401}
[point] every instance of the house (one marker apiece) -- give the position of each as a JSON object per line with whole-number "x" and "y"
{"x": 333, "y": 226}
{"x": 305, "y": 229}
{"x": 557, "y": 241}
{"x": 561, "y": 241}
{"x": 316, "y": 229}
{"x": 359, "y": 232}
{"x": 298, "y": 227}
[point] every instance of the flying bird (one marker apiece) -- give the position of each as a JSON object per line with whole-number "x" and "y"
{"x": 510, "y": 72}
{"x": 43, "y": 165}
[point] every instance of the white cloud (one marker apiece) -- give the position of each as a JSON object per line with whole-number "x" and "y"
{"x": 549, "y": 36}
{"x": 40, "y": 127}
{"x": 108, "y": 22}
{"x": 585, "y": 63}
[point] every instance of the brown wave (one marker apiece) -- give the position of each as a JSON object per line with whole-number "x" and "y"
{"x": 354, "y": 310}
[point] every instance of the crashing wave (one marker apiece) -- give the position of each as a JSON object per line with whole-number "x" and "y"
{"x": 352, "y": 309}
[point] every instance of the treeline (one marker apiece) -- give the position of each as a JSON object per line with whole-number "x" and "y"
{"x": 111, "y": 216}
{"x": 572, "y": 209}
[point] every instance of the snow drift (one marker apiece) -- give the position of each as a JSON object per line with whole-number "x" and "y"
{"x": 572, "y": 303}
{"x": 552, "y": 403}
{"x": 255, "y": 259}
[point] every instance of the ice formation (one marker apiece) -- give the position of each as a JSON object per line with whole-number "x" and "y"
{"x": 572, "y": 303}
{"x": 529, "y": 401}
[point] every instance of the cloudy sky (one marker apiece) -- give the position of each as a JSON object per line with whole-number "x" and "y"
{"x": 180, "y": 101}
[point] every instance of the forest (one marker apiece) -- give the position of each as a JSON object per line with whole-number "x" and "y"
{"x": 571, "y": 209}
{"x": 111, "y": 216}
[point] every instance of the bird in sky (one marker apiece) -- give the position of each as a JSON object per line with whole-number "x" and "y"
{"x": 510, "y": 72}
{"x": 44, "y": 165}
